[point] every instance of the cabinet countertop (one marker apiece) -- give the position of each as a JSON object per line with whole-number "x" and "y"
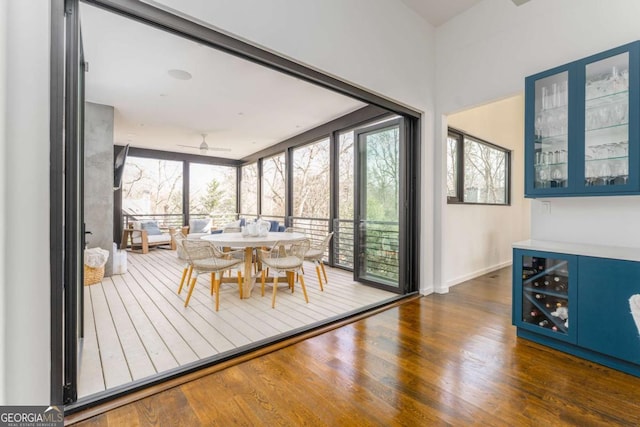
{"x": 598, "y": 251}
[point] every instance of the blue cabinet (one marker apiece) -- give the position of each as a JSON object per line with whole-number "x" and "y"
{"x": 582, "y": 305}
{"x": 581, "y": 126}
{"x": 609, "y": 307}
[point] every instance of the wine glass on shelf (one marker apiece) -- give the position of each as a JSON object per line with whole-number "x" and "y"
{"x": 588, "y": 171}
{"x": 543, "y": 177}
{"x": 605, "y": 173}
{"x": 556, "y": 177}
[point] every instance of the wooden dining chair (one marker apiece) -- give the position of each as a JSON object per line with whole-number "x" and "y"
{"x": 288, "y": 259}
{"x": 179, "y": 237}
{"x": 206, "y": 258}
{"x": 315, "y": 254}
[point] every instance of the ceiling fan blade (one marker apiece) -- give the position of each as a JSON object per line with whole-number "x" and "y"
{"x": 222, "y": 149}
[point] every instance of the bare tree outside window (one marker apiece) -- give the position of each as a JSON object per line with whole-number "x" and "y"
{"x": 311, "y": 185}
{"x": 484, "y": 173}
{"x": 452, "y": 167}
{"x": 273, "y": 186}
{"x": 345, "y": 175}
{"x": 152, "y": 186}
{"x": 249, "y": 190}
{"x": 485, "y": 170}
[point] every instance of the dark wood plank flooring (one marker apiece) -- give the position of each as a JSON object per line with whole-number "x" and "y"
{"x": 448, "y": 359}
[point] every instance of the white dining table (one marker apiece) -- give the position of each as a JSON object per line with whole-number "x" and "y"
{"x": 238, "y": 240}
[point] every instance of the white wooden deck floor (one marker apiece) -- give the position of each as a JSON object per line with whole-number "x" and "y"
{"x": 136, "y": 324}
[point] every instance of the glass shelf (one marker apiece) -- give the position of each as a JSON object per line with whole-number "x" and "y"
{"x": 613, "y": 98}
{"x": 607, "y": 159}
{"x": 610, "y": 127}
{"x": 550, "y": 165}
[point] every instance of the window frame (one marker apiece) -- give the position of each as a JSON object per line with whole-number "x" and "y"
{"x": 461, "y": 137}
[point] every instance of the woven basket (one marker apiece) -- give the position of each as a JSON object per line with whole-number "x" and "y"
{"x": 93, "y": 275}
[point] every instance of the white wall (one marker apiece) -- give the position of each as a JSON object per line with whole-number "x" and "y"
{"x": 25, "y": 203}
{"x": 478, "y": 238}
{"x": 485, "y": 54}
{"x": 379, "y": 45}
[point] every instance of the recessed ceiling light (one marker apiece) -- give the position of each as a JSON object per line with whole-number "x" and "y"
{"x": 180, "y": 74}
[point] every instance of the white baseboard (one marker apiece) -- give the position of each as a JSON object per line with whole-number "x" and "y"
{"x": 473, "y": 275}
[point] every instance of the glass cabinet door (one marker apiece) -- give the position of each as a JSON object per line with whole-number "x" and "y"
{"x": 551, "y": 132}
{"x": 606, "y": 123}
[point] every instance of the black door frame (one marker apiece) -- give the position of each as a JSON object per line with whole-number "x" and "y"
{"x": 64, "y": 254}
{"x": 360, "y": 188}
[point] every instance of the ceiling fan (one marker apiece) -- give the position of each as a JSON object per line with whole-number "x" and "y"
{"x": 519, "y": 2}
{"x": 204, "y": 147}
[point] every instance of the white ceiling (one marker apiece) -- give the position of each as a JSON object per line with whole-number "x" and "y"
{"x": 242, "y": 106}
{"x": 437, "y": 12}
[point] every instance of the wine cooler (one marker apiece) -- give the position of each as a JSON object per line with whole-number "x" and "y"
{"x": 542, "y": 298}
{"x": 545, "y": 298}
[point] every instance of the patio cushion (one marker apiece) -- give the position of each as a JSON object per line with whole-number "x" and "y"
{"x": 155, "y": 238}
{"x": 200, "y": 225}
{"x": 275, "y": 226}
{"x": 151, "y": 227}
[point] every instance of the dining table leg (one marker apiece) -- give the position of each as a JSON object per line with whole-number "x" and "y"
{"x": 248, "y": 279}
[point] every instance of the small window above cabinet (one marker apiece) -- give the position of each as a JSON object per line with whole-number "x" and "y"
{"x": 582, "y": 126}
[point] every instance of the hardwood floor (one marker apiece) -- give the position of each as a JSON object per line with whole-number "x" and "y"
{"x": 136, "y": 324}
{"x": 448, "y": 359}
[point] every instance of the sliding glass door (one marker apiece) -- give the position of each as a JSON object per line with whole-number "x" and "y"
{"x": 379, "y": 198}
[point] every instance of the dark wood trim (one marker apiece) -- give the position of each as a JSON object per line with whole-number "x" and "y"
{"x": 181, "y": 157}
{"x": 288, "y": 185}
{"x": 186, "y": 182}
{"x": 412, "y": 210}
{"x": 56, "y": 201}
{"x": 259, "y": 195}
{"x": 188, "y": 29}
{"x": 351, "y": 120}
{"x": 117, "y": 205}
{"x": 452, "y": 133}
{"x": 73, "y": 233}
{"x": 84, "y": 414}
{"x": 238, "y": 189}
{"x": 334, "y": 183}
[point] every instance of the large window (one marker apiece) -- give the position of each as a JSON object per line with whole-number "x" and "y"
{"x": 311, "y": 185}
{"x": 152, "y": 187}
{"x": 477, "y": 171}
{"x": 273, "y": 186}
{"x": 212, "y": 191}
{"x": 249, "y": 190}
